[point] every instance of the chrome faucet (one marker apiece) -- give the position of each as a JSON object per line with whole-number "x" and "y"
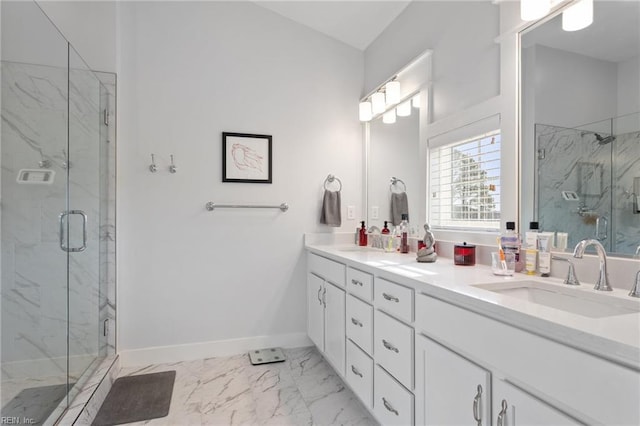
{"x": 635, "y": 290}
{"x": 572, "y": 278}
{"x": 603, "y": 279}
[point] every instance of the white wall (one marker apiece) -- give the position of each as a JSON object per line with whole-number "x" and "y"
{"x": 188, "y": 276}
{"x": 629, "y": 86}
{"x": 90, "y": 26}
{"x": 572, "y": 89}
{"x": 466, "y": 60}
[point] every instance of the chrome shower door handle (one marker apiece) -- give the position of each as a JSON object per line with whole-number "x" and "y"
{"x": 84, "y": 231}
{"x": 61, "y": 220}
{"x": 601, "y": 236}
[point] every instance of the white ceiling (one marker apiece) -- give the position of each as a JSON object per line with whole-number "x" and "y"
{"x": 355, "y": 22}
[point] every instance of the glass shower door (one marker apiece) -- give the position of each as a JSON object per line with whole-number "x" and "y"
{"x": 34, "y": 193}
{"x": 84, "y": 166}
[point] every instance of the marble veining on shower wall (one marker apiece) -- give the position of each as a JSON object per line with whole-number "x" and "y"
{"x": 572, "y": 162}
{"x": 34, "y": 276}
{"x": 601, "y": 175}
{"x": 626, "y": 223}
{"x": 34, "y": 301}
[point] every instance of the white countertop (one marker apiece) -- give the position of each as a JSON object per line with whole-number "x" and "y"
{"x": 616, "y": 338}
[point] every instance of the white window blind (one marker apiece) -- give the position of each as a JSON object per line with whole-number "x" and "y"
{"x": 465, "y": 183}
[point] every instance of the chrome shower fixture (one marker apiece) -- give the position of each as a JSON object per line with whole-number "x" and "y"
{"x": 604, "y": 140}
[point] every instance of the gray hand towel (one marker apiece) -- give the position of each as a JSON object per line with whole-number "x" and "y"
{"x": 330, "y": 214}
{"x": 399, "y": 206}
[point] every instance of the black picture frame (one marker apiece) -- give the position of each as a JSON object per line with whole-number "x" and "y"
{"x": 247, "y": 158}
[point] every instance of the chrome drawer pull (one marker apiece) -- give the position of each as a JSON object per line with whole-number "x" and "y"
{"x": 356, "y": 282}
{"x": 389, "y": 346}
{"x": 324, "y": 297}
{"x": 356, "y": 322}
{"x": 356, "y": 372}
{"x": 389, "y": 407}
{"x": 319, "y": 291}
{"x": 502, "y": 413}
{"x": 390, "y": 297}
{"x": 477, "y": 416}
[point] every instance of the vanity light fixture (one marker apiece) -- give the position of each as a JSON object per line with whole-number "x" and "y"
{"x": 578, "y": 16}
{"x": 389, "y": 117}
{"x": 530, "y": 10}
{"x": 404, "y": 109}
{"x": 365, "y": 111}
{"x": 377, "y": 103}
{"x": 392, "y": 89}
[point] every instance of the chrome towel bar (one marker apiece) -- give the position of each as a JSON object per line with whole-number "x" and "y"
{"x": 211, "y": 206}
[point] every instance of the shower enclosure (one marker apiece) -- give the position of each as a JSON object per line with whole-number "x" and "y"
{"x": 57, "y": 217}
{"x": 588, "y": 182}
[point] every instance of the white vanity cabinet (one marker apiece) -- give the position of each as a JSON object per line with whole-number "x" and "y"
{"x": 512, "y": 407}
{"x": 450, "y": 389}
{"x": 326, "y": 308}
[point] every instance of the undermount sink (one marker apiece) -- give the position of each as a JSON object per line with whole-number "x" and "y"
{"x": 567, "y": 299}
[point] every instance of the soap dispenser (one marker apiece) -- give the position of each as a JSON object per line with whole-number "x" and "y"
{"x": 385, "y": 229}
{"x": 362, "y": 241}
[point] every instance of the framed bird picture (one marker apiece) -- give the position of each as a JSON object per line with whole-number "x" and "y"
{"x": 246, "y": 158}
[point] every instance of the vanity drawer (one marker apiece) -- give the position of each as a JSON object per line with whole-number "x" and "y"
{"x": 360, "y": 323}
{"x": 394, "y": 347}
{"x": 330, "y": 270}
{"x": 360, "y": 283}
{"x": 394, "y": 299}
{"x": 392, "y": 404}
{"x": 360, "y": 373}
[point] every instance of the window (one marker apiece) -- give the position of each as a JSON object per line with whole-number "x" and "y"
{"x": 465, "y": 184}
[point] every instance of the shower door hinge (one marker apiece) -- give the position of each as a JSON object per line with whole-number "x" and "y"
{"x": 106, "y": 327}
{"x": 106, "y": 117}
{"x": 541, "y": 154}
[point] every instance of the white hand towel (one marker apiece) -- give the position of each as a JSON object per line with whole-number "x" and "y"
{"x": 399, "y": 206}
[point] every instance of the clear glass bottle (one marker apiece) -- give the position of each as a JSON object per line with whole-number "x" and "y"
{"x": 510, "y": 242}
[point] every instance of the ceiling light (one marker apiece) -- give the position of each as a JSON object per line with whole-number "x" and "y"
{"x": 404, "y": 109}
{"x": 377, "y": 102}
{"x": 530, "y": 10}
{"x": 578, "y": 16}
{"x": 389, "y": 117}
{"x": 365, "y": 111}
{"x": 392, "y": 90}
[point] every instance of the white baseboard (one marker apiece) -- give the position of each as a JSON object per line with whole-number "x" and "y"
{"x": 193, "y": 351}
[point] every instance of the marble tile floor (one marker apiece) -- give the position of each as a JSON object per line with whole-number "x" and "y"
{"x": 303, "y": 390}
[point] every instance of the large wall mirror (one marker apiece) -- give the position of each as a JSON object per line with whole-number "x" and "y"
{"x": 394, "y": 155}
{"x": 394, "y": 169}
{"x": 580, "y": 127}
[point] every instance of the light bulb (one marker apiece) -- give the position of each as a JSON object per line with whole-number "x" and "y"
{"x": 578, "y": 16}
{"x": 415, "y": 101}
{"x": 530, "y": 10}
{"x": 365, "y": 111}
{"x": 377, "y": 102}
{"x": 389, "y": 117}
{"x": 392, "y": 90}
{"x": 404, "y": 109}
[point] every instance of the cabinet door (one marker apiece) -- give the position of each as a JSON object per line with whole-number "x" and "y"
{"x": 315, "y": 310}
{"x": 450, "y": 390}
{"x": 511, "y": 407}
{"x": 334, "y": 326}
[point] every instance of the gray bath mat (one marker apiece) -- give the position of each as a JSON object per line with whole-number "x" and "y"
{"x": 35, "y": 405}
{"x": 137, "y": 398}
{"x": 266, "y": 356}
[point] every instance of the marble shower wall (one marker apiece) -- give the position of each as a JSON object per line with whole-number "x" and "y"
{"x": 601, "y": 176}
{"x": 34, "y": 268}
{"x": 626, "y": 223}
